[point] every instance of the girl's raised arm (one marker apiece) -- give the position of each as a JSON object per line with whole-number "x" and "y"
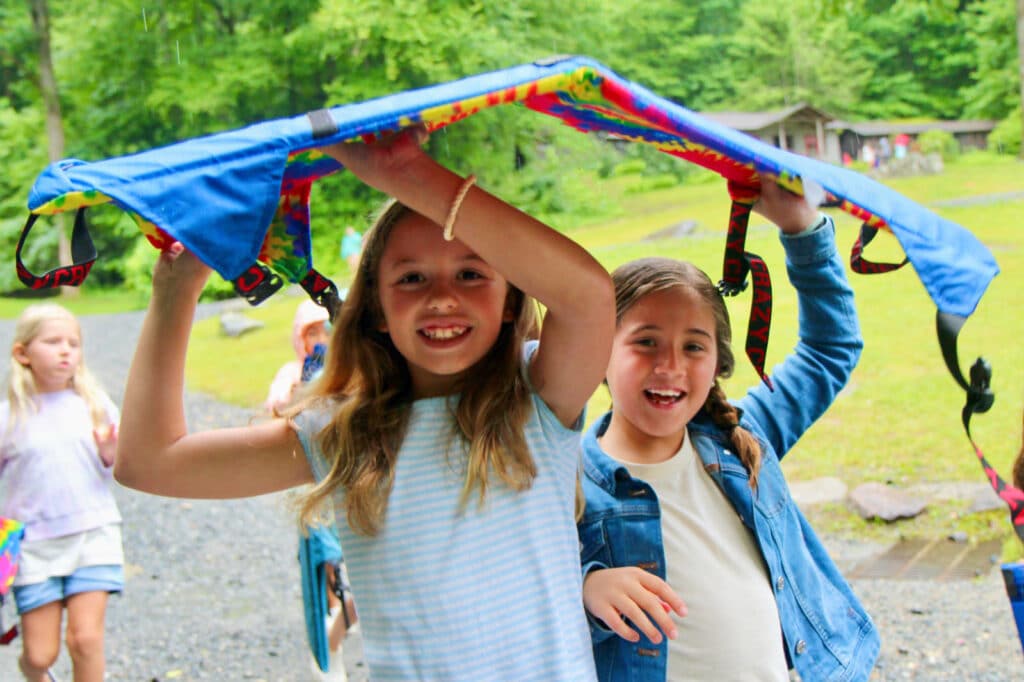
{"x": 575, "y": 289}
{"x": 155, "y": 452}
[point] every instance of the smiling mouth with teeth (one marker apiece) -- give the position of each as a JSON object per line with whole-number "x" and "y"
{"x": 662, "y": 396}
{"x": 443, "y": 333}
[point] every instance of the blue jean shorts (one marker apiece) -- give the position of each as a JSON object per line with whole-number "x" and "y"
{"x": 108, "y": 578}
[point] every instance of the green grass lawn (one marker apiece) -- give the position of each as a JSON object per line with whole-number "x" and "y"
{"x": 239, "y": 370}
{"x": 897, "y": 421}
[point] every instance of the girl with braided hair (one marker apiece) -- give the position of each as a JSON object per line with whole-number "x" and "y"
{"x": 697, "y": 563}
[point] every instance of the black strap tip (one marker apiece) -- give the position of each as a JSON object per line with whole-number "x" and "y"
{"x": 731, "y": 288}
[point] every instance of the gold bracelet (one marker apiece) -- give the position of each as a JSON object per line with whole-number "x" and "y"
{"x": 453, "y": 212}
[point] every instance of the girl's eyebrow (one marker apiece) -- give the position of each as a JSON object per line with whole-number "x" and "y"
{"x": 645, "y": 328}
{"x": 651, "y": 327}
{"x": 410, "y": 260}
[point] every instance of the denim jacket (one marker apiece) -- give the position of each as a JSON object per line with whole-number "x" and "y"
{"x": 827, "y": 634}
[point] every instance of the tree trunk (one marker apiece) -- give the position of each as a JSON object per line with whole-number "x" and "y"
{"x": 54, "y": 121}
{"x": 1020, "y": 67}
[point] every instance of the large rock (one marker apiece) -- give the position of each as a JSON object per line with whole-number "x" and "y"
{"x": 818, "y": 491}
{"x": 880, "y": 501}
{"x": 681, "y": 229}
{"x": 985, "y": 499}
{"x": 236, "y": 324}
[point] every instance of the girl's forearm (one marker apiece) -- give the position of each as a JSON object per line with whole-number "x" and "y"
{"x": 153, "y": 415}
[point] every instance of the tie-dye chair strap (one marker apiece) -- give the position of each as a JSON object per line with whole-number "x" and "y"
{"x": 83, "y": 255}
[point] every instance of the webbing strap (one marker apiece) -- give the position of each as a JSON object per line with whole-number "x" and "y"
{"x": 861, "y": 265}
{"x": 1013, "y": 497}
{"x": 980, "y": 398}
{"x": 323, "y": 292}
{"x": 737, "y": 264}
{"x": 760, "y": 321}
{"x": 83, "y": 255}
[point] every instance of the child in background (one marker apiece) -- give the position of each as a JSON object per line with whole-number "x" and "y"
{"x": 445, "y": 437}
{"x": 58, "y": 447}
{"x": 686, "y": 501}
{"x": 309, "y": 336}
{"x": 309, "y": 328}
{"x": 351, "y": 247}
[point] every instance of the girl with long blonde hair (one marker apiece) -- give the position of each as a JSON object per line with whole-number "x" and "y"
{"x": 56, "y": 455}
{"x": 444, "y": 429}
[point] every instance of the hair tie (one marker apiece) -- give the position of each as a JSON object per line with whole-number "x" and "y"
{"x": 453, "y": 212}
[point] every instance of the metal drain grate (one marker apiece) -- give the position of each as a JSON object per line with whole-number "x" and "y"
{"x": 937, "y": 559}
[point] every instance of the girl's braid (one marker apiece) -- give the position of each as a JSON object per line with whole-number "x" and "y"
{"x": 725, "y": 416}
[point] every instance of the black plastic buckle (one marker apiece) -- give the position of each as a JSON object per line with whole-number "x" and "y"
{"x": 323, "y": 292}
{"x": 257, "y": 284}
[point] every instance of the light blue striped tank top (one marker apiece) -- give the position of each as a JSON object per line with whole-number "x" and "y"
{"x": 488, "y": 593}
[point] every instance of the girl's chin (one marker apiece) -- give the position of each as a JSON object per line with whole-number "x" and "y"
{"x": 660, "y": 422}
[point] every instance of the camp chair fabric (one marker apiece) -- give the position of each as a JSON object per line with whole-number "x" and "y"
{"x": 242, "y": 196}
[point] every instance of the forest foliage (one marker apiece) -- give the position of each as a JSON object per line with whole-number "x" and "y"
{"x": 136, "y": 75}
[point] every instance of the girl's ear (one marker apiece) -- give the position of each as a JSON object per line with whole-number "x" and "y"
{"x": 19, "y": 354}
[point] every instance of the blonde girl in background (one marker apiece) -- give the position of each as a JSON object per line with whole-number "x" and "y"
{"x": 442, "y": 431}
{"x": 58, "y": 447}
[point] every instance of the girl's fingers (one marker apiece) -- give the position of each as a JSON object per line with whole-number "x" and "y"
{"x": 667, "y": 596}
{"x": 618, "y": 595}
{"x": 178, "y": 268}
{"x": 635, "y": 613}
{"x": 656, "y": 609}
{"x": 389, "y": 149}
{"x": 611, "y": 618}
{"x": 105, "y": 434}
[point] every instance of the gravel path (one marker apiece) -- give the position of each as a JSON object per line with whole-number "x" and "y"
{"x": 213, "y": 587}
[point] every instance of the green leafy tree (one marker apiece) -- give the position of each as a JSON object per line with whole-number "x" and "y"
{"x": 994, "y": 90}
{"x": 787, "y": 51}
{"x": 674, "y": 48}
{"x": 1020, "y": 64}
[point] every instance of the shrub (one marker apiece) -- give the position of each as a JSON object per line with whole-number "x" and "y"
{"x": 1005, "y": 138}
{"x": 939, "y": 142}
{"x": 629, "y": 167}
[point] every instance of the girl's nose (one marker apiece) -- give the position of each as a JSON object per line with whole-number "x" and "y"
{"x": 670, "y": 361}
{"x": 442, "y": 299}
